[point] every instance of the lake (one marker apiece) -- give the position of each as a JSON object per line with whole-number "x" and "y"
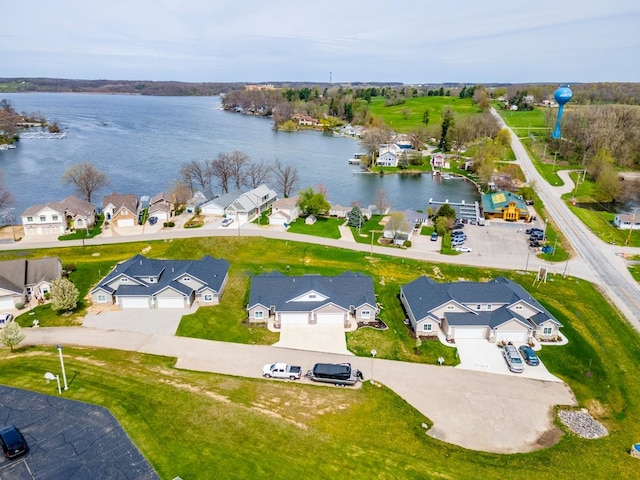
{"x": 141, "y": 141}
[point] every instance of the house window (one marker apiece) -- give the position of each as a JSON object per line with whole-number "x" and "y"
{"x": 547, "y": 330}
{"x": 124, "y": 280}
{"x": 29, "y": 219}
{"x": 186, "y": 279}
{"x": 152, "y": 279}
{"x": 54, "y": 217}
{"x": 365, "y": 314}
{"x": 259, "y": 315}
{"x": 478, "y": 307}
{"x": 450, "y": 307}
{"x": 312, "y": 296}
{"x": 102, "y": 298}
{"x": 518, "y": 307}
{"x": 208, "y": 297}
{"x": 489, "y": 307}
{"x": 426, "y": 327}
{"x": 43, "y": 218}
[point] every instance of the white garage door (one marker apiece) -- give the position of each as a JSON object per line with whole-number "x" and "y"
{"x": 463, "y": 333}
{"x": 512, "y": 335}
{"x": 6, "y": 304}
{"x": 330, "y": 319}
{"x": 125, "y": 222}
{"x": 134, "y": 302}
{"x": 171, "y": 302}
{"x": 294, "y": 319}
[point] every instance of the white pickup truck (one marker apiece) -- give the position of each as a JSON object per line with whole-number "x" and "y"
{"x": 281, "y": 370}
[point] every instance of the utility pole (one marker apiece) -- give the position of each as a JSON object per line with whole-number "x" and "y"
{"x": 633, "y": 221}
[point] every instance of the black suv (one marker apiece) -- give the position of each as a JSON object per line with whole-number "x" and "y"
{"x": 13, "y": 443}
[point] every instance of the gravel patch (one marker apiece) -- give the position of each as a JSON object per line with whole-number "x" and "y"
{"x": 582, "y": 423}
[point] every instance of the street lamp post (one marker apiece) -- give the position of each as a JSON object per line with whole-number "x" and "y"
{"x": 64, "y": 375}
{"x": 374, "y": 352}
{"x": 633, "y": 221}
{"x": 50, "y": 376}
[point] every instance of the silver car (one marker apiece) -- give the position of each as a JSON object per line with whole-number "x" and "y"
{"x": 513, "y": 359}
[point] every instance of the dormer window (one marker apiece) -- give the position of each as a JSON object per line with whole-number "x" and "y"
{"x": 29, "y": 219}
{"x": 186, "y": 279}
{"x": 124, "y": 280}
{"x": 478, "y": 307}
{"x": 518, "y": 307}
{"x": 43, "y": 218}
{"x": 450, "y": 307}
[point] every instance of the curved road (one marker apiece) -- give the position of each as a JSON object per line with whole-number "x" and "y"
{"x": 604, "y": 261}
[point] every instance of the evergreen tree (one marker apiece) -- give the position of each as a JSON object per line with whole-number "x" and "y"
{"x": 355, "y": 217}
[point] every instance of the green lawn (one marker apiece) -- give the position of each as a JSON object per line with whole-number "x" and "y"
{"x": 326, "y": 227}
{"x": 409, "y": 115}
{"x": 524, "y": 120}
{"x": 246, "y": 428}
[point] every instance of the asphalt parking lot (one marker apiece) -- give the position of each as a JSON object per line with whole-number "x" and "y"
{"x": 68, "y": 440}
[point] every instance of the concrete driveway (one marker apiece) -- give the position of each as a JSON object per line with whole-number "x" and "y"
{"x": 160, "y": 321}
{"x": 315, "y": 338}
{"x": 483, "y": 356}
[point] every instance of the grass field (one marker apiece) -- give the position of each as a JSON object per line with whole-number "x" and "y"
{"x": 407, "y": 116}
{"x": 244, "y": 428}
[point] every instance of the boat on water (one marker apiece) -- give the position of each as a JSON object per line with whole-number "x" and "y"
{"x": 357, "y": 158}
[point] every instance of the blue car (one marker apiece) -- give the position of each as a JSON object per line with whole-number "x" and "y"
{"x": 434, "y": 236}
{"x": 529, "y": 355}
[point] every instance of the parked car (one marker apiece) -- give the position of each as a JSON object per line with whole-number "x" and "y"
{"x": 465, "y": 220}
{"x": 529, "y": 231}
{"x": 5, "y": 318}
{"x": 434, "y": 236}
{"x": 226, "y": 222}
{"x": 529, "y": 355}
{"x": 473, "y": 221}
{"x": 13, "y": 442}
{"x": 153, "y": 220}
{"x": 462, "y": 248}
{"x": 339, "y": 374}
{"x": 457, "y": 232}
{"x": 457, "y": 242}
{"x": 281, "y": 370}
{"x": 534, "y": 244}
{"x": 514, "y": 362}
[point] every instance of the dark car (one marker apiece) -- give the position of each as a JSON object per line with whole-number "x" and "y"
{"x": 529, "y": 355}
{"x": 434, "y": 236}
{"x": 13, "y": 443}
{"x": 529, "y": 231}
{"x": 534, "y": 244}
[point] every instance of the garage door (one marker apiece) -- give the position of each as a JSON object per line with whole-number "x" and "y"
{"x": 294, "y": 319}
{"x": 6, "y": 304}
{"x": 171, "y": 302}
{"x": 330, "y": 319}
{"x": 462, "y": 333}
{"x": 125, "y": 222}
{"x": 512, "y": 335}
{"x": 134, "y": 302}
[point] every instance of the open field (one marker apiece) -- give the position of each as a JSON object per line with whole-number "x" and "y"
{"x": 402, "y": 118}
{"x": 247, "y": 428}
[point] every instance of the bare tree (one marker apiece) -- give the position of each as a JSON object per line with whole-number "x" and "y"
{"x": 372, "y": 139}
{"x": 6, "y": 198}
{"x": 286, "y": 176}
{"x": 418, "y": 136}
{"x": 238, "y": 161}
{"x": 382, "y": 202}
{"x": 222, "y": 168}
{"x": 86, "y": 178}
{"x": 258, "y": 172}
{"x": 196, "y": 175}
{"x": 180, "y": 193}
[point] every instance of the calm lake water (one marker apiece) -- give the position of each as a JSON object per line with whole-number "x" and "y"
{"x": 140, "y": 143}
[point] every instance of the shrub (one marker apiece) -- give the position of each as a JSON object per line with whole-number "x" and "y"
{"x": 168, "y": 224}
{"x": 407, "y": 243}
{"x": 20, "y": 305}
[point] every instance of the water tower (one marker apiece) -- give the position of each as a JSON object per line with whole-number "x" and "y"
{"x": 562, "y": 96}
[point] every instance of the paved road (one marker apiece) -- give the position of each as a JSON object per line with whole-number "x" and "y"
{"x": 604, "y": 261}
{"x": 476, "y": 410}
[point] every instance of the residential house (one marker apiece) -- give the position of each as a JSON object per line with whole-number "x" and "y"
{"x": 398, "y": 230}
{"x": 162, "y": 207}
{"x": 304, "y": 119}
{"x": 626, "y": 221}
{"x": 22, "y": 279}
{"x": 388, "y": 155}
{"x": 242, "y": 207}
{"x": 506, "y": 205}
{"x": 45, "y": 219}
{"x": 312, "y": 299}
{"x": 121, "y": 210}
{"x": 416, "y": 219}
{"x": 439, "y": 160}
{"x": 343, "y": 212}
{"x": 79, "y": 213}
{"x": 284, "y": 211}
{"x": 199, "y": 198}
{"x": 499, "y": 310}
{"x": 141, "y": 282}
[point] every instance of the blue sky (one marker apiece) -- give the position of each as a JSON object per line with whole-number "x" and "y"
{"x": 279, "y": 40}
